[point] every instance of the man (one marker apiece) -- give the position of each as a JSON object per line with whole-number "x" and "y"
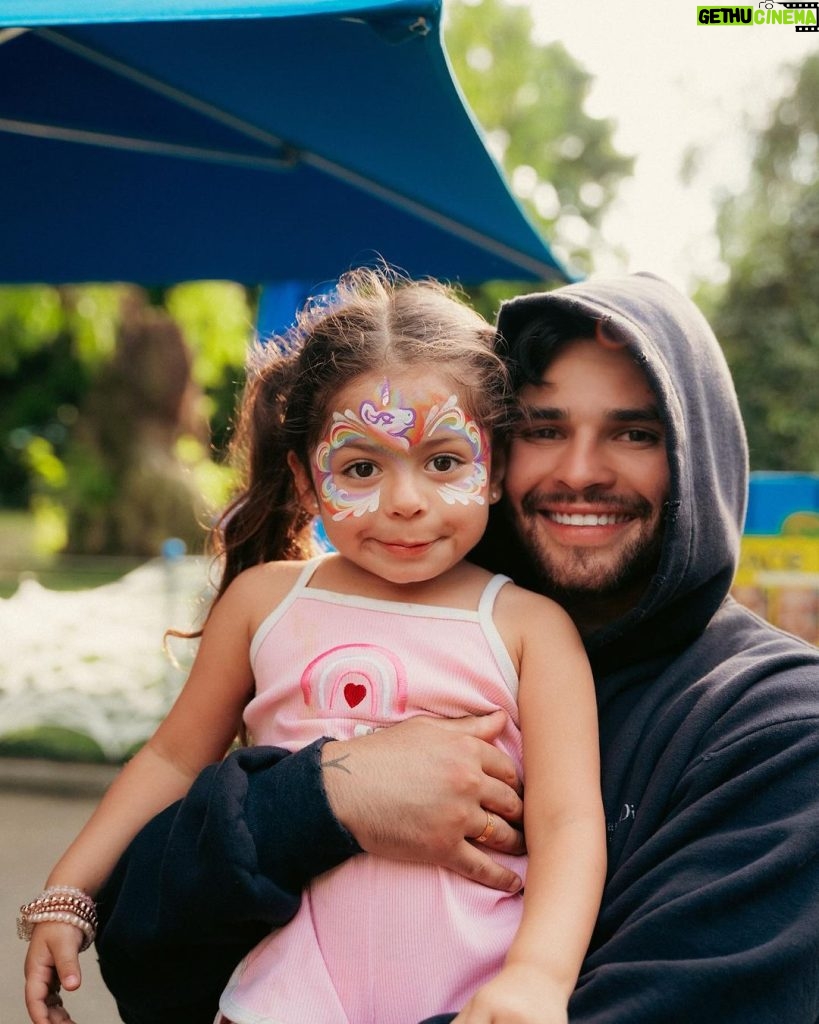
{"x": 625, "y": 494}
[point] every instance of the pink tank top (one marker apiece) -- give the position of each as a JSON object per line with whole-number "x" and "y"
{"x": 330, "y": 664}
{"x": 375, "y": 941}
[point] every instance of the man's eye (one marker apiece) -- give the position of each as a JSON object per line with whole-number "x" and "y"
{"x": 361, "y": 470}
{"x": 539, "y": 434}
{"x": 638, "y": 435}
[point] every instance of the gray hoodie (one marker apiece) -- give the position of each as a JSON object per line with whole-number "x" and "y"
{"x": 709, "y": 720}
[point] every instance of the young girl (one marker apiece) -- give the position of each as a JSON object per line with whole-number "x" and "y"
{"x": 376, "y": 415}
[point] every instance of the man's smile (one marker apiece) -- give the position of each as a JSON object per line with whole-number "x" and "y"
{"x": 585, "y": 518}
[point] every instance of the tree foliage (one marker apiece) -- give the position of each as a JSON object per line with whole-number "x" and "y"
{"x": 529, "y": 98}
{"x": 105, "y": 400}
{"x": 52, "y": 343}
{"x": 767, "y": 316}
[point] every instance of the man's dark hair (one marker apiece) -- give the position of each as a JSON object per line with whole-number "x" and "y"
{"x": 528, "y": 352}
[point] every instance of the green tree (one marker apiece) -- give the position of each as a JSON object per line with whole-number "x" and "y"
{"x": 105, "y": 399}
{"x": 767, "y": 315}
{"x": 529, "y": 98}
{"x": 52, "y": 343}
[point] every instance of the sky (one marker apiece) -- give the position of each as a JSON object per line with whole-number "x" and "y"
{"x": 670, "y": 83}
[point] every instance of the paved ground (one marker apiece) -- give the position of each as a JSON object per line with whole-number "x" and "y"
{"x": 42, "y": 807}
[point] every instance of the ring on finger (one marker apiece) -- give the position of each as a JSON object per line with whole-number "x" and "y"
{"x": 488, "y": 830}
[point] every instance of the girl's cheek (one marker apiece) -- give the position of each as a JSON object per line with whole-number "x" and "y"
{"x": 340, "y": 504}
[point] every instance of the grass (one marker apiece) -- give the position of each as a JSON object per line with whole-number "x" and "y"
{"x": 53, "y": 744}
{"x": 19, "y": 559}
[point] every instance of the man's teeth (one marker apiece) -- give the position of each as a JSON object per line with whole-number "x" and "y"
{"x": 580, "y": 519}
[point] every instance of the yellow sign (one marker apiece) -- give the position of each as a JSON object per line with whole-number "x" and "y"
{"x": 778, "y": 577}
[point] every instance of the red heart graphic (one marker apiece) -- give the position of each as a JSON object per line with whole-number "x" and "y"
{"x": 354, "y": 693}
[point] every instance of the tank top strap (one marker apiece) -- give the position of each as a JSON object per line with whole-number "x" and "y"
{"x": 492, "y": 634}
{"x": 298, "y": 588}
{"x": 307, "y": 572}
{"x": 490, "y": 592}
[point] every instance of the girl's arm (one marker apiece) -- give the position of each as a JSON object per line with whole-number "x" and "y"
{"x": 198, "y": 730}
{"x": 563, "y": 820}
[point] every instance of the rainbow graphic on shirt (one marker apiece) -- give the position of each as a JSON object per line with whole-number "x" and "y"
{"x": 360, "y": 679}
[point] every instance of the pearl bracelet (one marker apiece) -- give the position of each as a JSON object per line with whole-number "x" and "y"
{"x": 64, "y": 904}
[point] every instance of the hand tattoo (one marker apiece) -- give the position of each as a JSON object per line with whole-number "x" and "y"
{"x": 336, "y": 763}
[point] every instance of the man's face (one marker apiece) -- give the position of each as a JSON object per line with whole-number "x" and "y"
{"x": 587, "y": 475}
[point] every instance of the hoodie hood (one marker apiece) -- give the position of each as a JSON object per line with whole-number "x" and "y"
{"x": 707, "y": 452}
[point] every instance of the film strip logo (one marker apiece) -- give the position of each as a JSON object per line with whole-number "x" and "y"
{"x": 801, "y": 7}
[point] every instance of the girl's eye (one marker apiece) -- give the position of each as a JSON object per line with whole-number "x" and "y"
{"x": 361, "y": 470}
{"x": 444, "y": 463}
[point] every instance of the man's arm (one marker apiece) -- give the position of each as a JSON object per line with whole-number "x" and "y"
{"x": 713, "y": 916}
{"x": 211, "y": 875}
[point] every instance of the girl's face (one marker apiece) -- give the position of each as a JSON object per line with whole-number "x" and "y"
{"x": 401, "y": 476}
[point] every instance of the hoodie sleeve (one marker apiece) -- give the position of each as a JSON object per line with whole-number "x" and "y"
{"x": 713, "y": 916}
{"x": 207, "y": 878}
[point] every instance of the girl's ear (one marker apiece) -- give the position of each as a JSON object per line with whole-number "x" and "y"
{"x": 305, "y": 491}
{"x": 497, "y": 474}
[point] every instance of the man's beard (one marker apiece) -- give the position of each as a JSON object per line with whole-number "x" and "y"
{"x": 576, "y": 575}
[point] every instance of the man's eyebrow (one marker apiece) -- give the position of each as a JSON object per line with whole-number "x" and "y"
{"x": 639, "y": 414}
{"x": 544, "y": 412}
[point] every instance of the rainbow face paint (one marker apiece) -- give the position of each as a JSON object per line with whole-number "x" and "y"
{"x": 394, "y": 428}
{"x": 450, "y": 417}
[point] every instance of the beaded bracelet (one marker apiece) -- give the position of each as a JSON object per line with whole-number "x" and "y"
{"x": 61, "y": 903}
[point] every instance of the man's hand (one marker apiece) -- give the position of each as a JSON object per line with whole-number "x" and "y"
{"x": 422, "y": 789}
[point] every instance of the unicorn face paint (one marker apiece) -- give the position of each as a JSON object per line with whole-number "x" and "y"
{"x": 402, "y": 474}
{"x": 391, "y": 425}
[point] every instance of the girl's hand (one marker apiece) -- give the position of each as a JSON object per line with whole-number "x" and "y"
{"x": 52, "y": 962}
{"x": 521, "y": 994}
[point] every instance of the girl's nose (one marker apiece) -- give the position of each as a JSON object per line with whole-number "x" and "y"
{"x": 405, "y": 494}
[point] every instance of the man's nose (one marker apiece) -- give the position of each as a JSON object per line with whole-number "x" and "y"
{"x": 581, "y": 464}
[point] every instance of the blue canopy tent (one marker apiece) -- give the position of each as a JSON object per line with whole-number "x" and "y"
{"x": 166, "y": 140}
